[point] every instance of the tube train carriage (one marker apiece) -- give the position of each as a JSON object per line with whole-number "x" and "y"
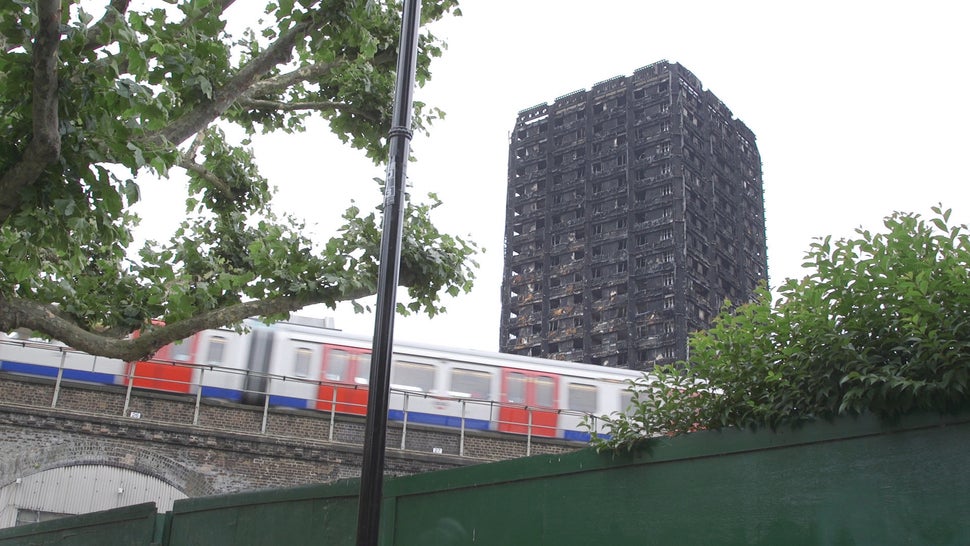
{"x": 311, "y": 367}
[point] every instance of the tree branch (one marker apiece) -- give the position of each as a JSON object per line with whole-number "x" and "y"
{"x": 16, "y": 313}
{"x": 309, "y": 72}
{"x": 20, "y": 313}
{"x": 196, "y": 144}
{"x": 115, "y": 9}
{"x": 257, "y": 104}
{"x": 196, "y": 119}
{"x": 45, "y": 145}
{"x": 206, "y": 175}
{"x": 287, "y": 79}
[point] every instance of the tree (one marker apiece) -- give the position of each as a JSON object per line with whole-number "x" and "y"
{"x": 88, "y": 104}
{"x": 881, "y": 324}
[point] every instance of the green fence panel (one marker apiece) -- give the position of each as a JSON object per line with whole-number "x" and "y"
{"x": 127, "y": 526}
{"x": 853, "y": 482}
{"x": 317, "y": 514}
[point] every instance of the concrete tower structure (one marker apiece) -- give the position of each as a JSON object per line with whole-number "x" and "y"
{"x": 634, "y": 210}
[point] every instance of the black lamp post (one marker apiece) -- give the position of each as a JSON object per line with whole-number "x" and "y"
{"x": 399, "y": 142}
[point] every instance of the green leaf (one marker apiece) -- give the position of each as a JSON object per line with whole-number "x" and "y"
{"x": 131, "y": 192}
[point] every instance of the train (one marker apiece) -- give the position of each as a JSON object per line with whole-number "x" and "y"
{"x": 304, "y": 363}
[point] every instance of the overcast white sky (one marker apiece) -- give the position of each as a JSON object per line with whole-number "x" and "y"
{"x": 859, "y": 108}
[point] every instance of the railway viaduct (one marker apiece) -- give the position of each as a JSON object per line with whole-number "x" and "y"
{"x": 204, "y": 447}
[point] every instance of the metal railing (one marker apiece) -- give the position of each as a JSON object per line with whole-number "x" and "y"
{"x": 469, "y": 409}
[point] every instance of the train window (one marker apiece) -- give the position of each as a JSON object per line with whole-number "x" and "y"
{"x": 301, "y": 364}
{"x": 515, "y": 388}
{"x": 545, "y": 391}
{"x": 582, "y": 397}
{"x": 411, "y": 375}
{"x": 626, "y": 401}
{"x": 471, "y": 383}
{"x": 363, "y": 369}
{"x": 217, "y": 349}
{"x": 182, "y": 350}
{"x": 337, "y": 364}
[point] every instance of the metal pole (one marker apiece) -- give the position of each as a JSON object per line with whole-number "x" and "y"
{"x": 404, "y": 423}
{"x": 461, "y": 441}
{"x": 262, "y": 429}
{"x": 528, "y": 438}
{"x": 333, "y": 412}
{"x": 60, "y": 375}
{"x": 399, "y": 143}
{"x": 198, "y": 398}
{"x": 131, "y": 381}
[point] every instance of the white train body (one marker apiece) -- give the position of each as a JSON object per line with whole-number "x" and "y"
{"x": 323, "y": 369}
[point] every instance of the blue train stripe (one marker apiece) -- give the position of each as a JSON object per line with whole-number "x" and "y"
{"x": 50, "y": 371}
{"x": 221, "y": 392}
{"x": 32, "y": 369}
{"x": 575, "y": 435}
{"x": 93, "y": 377}
{"x": 287, "y": 401}
{"x": 439, "y": 420}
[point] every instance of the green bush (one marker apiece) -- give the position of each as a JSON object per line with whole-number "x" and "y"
{"x": 881, "y": 324}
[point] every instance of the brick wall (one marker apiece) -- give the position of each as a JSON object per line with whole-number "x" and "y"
{"x": 227, "y": 451}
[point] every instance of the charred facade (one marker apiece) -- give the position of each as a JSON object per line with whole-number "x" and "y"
{"x": 634, "y": 210}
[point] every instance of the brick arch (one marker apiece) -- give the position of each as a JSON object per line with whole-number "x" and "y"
{"x": 81, "y": 450}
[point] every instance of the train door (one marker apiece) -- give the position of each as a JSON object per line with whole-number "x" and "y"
{"x": 221, "y": 357}
{"x": 524, "y": 393}
{"x": 165, "y": 371}
{"x": 582, "y": 398}
{"x": 474, "y": 386}
{"x": 345, "y": 375}
{"x": 413, "y": 386}
{"x": 256, "y": 383}
{"x": 298, "y": 362}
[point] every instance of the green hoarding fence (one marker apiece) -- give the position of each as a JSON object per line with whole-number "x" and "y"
{"x": 317, "y": 514}
{"x": 855, "y": 481}
{"x": 852, "y": 482}
{"x": 135, "y": 525}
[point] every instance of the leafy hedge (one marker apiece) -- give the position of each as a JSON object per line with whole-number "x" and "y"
{"x": 881, "y": 324}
